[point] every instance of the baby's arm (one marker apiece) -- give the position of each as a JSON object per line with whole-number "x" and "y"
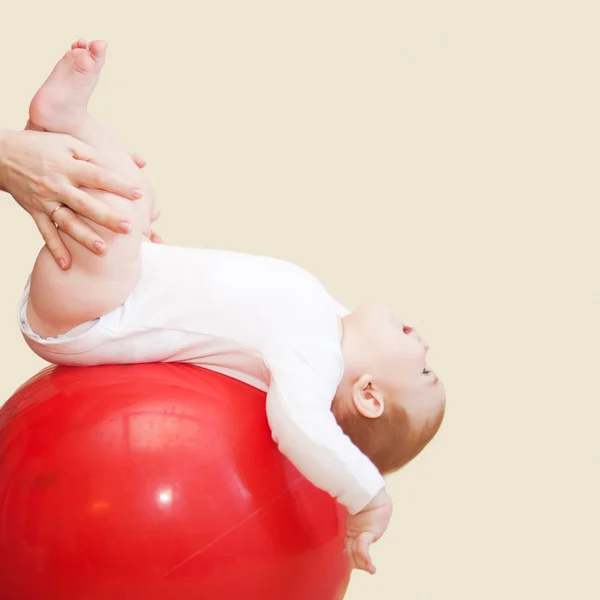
{"x": 303, "y": 383}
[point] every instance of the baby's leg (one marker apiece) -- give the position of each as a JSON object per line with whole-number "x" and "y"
{"x": 94, "y": 285}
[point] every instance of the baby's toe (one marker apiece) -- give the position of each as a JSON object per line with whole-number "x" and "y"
{"x": 80, "y": 43}
{"x": 98, "y": 50}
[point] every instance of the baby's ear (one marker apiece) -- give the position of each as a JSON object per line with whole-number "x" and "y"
{"x": 367, "y": 398}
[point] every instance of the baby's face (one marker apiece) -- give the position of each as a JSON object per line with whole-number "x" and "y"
{"x": 402, "y": 356}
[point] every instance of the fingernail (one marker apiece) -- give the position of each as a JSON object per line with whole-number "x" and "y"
{"x": 125, "y": 227}
{"x": 62, "y": 263}
{"x": 100, "y": 247}
{"x": 137, "y": 193}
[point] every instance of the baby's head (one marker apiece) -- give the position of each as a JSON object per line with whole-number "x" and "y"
{"x": 390, "y": 403}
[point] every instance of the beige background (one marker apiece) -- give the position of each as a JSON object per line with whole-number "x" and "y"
{"x": 442, "y": 156}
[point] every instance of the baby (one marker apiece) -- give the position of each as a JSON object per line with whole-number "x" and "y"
{"x": 350, "y": 397}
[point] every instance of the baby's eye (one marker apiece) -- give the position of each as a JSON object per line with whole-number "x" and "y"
{"x": 426, "y": 370}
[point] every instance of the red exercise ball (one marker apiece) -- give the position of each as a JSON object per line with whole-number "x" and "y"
{"x": 157, "y": 482}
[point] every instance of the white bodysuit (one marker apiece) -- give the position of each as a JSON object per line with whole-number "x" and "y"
{"x": 260, "y": 320}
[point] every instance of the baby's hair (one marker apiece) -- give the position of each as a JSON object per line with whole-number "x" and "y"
{"x": 391, "y": 440}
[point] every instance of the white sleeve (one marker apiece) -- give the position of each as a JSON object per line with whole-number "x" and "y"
{"x": 303, "y": 384}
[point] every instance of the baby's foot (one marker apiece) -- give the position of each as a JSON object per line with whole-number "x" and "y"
{"x": 60, "y": 105}
{"x": 29, "y": 126}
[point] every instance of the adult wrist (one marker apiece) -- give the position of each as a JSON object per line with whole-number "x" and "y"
{"x": 3, "y": 159}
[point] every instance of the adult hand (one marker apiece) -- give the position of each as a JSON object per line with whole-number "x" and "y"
{"x": 154, "y": 237}
{"x": 41, "y": 170}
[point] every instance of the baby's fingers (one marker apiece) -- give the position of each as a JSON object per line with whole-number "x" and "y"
{"x": 357, "y": 550}
{"x": 363, "y": 543}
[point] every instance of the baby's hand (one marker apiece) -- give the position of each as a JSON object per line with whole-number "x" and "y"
{"x": 366, "y": 527}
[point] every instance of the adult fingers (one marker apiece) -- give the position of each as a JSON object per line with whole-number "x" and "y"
{"x": 155, "y": 238}
{"x": 97, "y": 178}
{"x": 139, "y": 161}
{"x": 75, "y": 228}
{"x": 85, "y": 205}
{"x": 53, "y": 241}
